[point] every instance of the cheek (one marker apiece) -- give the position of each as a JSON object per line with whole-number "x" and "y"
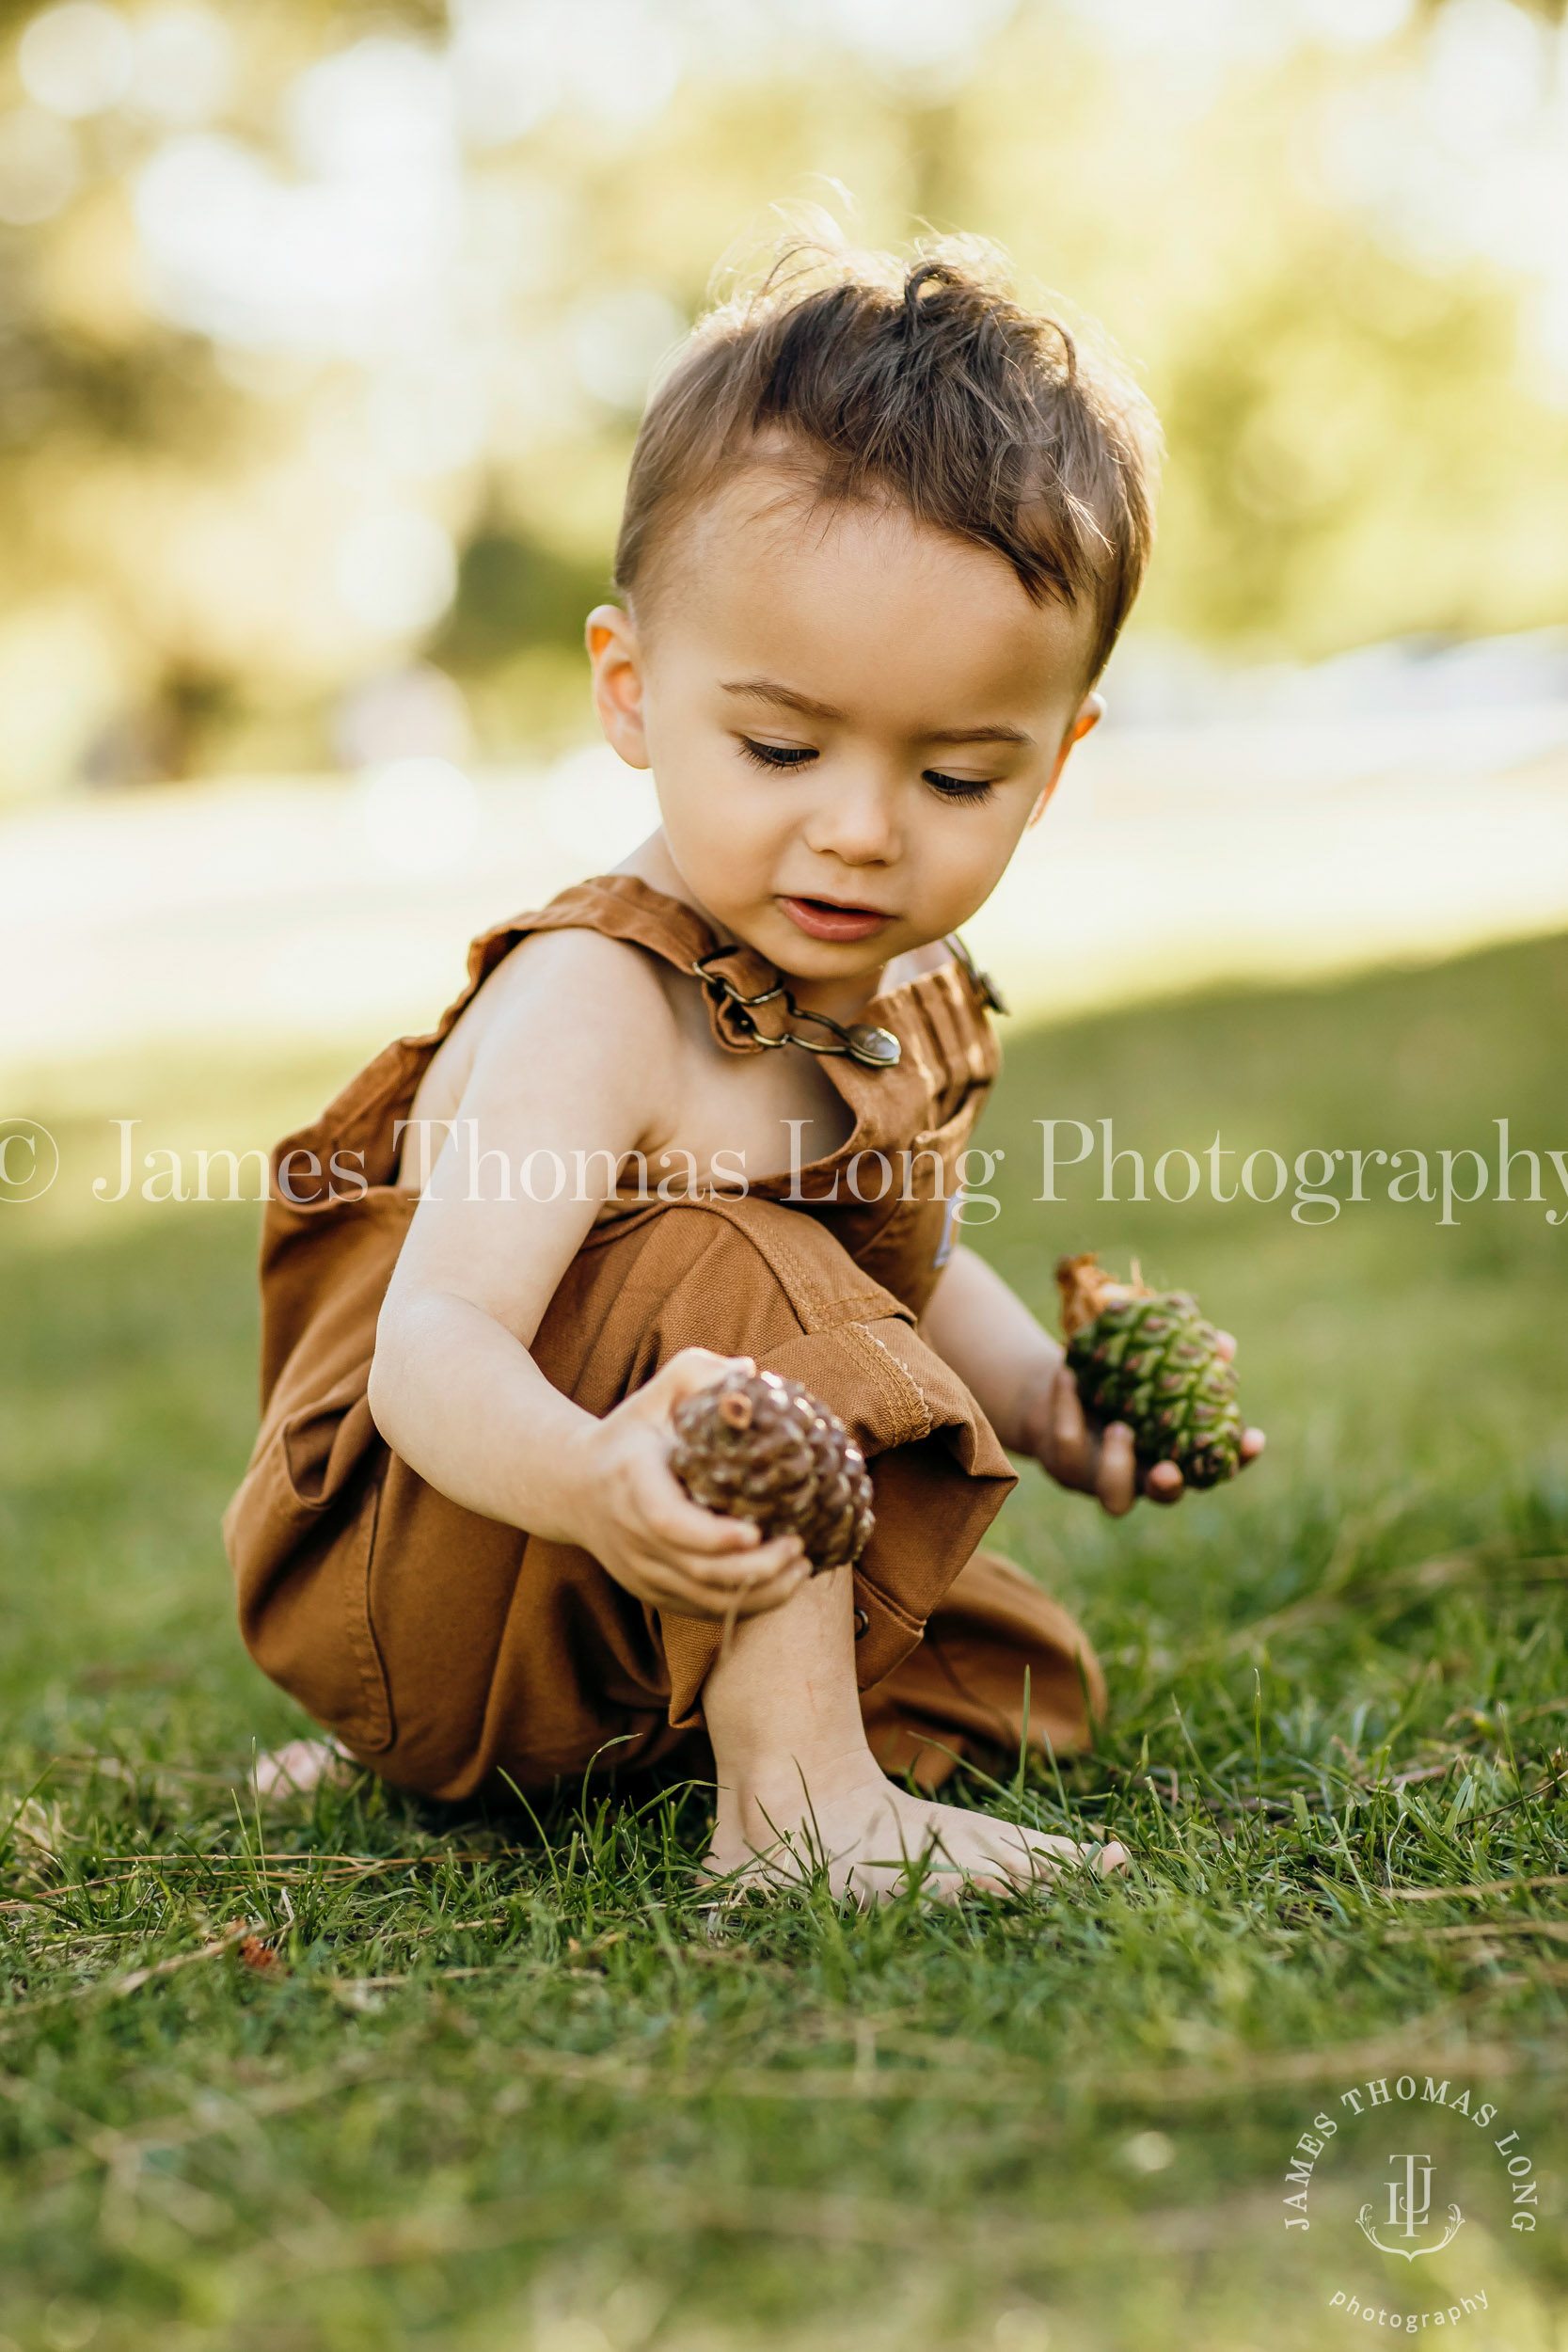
{"x": 967, "y": 850}
{"x": 720, "y": 808}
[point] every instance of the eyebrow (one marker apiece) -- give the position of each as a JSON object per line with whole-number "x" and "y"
{"x": 766, "y": 689}
{"x": 979, "y": 735}
{"x": 770, "y": 691}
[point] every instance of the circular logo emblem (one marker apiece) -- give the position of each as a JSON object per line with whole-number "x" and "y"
{"x": 29, "y": 1159}
{"x": 1396, "y": 2170}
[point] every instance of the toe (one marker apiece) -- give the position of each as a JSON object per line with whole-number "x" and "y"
{"x": 1047, "y": 1860}
{"x": 296, "y": 1769}
{"x": 1027, "y": 1859}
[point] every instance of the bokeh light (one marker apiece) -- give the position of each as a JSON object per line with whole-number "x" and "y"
{"x": 77, "y": 59}
{"x": 38, "y": 165}
{"x": 185, "y": 65}
{"x": 421, "y": 814}
{"x": 395, "y": 570}
{"x": 618, "y": 340}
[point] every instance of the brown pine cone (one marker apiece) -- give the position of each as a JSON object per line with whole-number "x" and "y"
{"x": 759, "y": 1447}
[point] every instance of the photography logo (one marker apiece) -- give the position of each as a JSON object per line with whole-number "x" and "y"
{"x": 1410, "y": 2205}
{"x": 1418, "y": 2144}
{"x": 29, "y": 1160}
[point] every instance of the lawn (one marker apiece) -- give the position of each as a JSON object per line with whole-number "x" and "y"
{"x": 494, "y": 2085}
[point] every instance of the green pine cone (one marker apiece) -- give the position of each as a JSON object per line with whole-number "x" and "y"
{"x": 1150, "y": 1359}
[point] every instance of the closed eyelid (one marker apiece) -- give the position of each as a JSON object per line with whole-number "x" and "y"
{"x": 958, "y": 788}
{"x": 778, "y": 756}
{"x": 785, "y": 758}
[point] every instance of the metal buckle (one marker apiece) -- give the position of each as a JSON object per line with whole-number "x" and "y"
{"x": 873, "y": 1048}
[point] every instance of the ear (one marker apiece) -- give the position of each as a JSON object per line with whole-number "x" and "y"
{"x": 617, "y": 660}
{"x": 1089, "y": 713}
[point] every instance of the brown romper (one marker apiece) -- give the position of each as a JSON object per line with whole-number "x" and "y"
{"x": 445, "y": 1649}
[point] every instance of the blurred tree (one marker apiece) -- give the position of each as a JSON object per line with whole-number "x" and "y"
{"x": 512, "y": 591}
{"x": 1343, "y": 438}
{"x": 1353, "y": 452}
{"x": 218, "y": 515}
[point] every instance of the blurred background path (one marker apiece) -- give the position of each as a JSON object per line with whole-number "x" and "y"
{"x": 1274, "y": 843}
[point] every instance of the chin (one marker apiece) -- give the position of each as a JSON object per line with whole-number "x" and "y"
{"x": 815, "y": 959}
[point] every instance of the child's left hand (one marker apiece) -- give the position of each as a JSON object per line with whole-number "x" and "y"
{"x": 1098, "y": 1460}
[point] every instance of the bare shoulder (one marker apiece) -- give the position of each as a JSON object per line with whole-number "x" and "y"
{"x": 580, "y": 971}
{"x": 569, "y": 1008}
{"x": 598, "y": 998}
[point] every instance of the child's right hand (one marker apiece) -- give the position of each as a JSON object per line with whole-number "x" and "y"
{"x": 643, "y": 1528}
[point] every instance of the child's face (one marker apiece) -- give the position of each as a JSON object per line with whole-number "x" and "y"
{"x": 850, "y": 718}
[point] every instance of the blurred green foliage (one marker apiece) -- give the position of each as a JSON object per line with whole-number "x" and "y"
{"x": 1357, "y": 447}
{"x": 514, "y": 592}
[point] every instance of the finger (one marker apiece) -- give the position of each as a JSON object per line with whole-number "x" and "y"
{"x": 701, "y": 1596}
{"x": 676, "y": 1522}
{"x": 1253, "y": 1442}
{"x": 1069, "y": 1430}
{"x": 1163, "y": 1482}
{"x": 1116, "y": 1481}
{"x": 757, "y": 1600}
{"x": 690, "y": 1370}
{"x": 666, "y": 1585}
{"x": 1225, "y": 1344}
{"x": 687, "y": 1526}
{"x": 737, "y": 1574}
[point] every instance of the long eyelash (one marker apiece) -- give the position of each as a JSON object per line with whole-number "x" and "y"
{"x": 774, "y": 755}
{"x": 777, "y": 756}
{"x": 956, "y": 788}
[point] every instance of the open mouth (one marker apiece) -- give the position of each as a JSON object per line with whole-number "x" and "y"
{"x": 824, "y": 918}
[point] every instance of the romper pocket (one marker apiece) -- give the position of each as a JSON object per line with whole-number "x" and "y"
{"x": 366, "y": 1723}
{"x": 325, "y": 1441}
{"x": 301, "y": 1536}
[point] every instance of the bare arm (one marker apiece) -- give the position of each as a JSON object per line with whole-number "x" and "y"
{"x": 577, "y": 1061}
{"x": 985, "y": 1331}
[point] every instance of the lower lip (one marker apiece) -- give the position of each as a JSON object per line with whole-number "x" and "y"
{"x": 819, "y": 920}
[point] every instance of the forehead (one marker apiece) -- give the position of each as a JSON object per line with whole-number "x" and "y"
{"x": 865, "y": 606}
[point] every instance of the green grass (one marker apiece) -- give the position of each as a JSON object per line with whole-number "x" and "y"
{"x": 500, "y": 2090}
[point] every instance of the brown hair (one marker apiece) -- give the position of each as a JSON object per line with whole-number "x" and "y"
{"x": 931, "y": 385}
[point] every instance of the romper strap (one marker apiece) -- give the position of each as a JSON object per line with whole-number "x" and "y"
{"x": 737, "y": 981}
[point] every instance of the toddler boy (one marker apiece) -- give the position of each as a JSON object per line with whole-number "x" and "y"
{"x": 880, "y": 533}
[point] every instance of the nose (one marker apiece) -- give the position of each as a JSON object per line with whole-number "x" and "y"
{"x": 855, "y": 820}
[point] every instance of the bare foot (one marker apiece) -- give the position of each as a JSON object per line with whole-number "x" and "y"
{"x": 783, "y": 1715}
{"x": 299, "y": 1768}
{"x": 871, "y": 1836}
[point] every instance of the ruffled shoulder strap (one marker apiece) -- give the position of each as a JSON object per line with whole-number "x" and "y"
{"x": 936, "y": 1042}
{"x": 361, "y": 1124}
